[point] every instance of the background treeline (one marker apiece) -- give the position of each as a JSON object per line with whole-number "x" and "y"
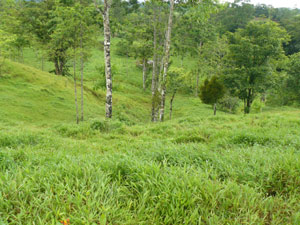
{"x": 237, "y": 54}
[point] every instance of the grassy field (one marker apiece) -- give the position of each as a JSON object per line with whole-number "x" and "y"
{"x": 196, "y": 169}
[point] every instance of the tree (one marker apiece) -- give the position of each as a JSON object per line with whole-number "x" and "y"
{"x": 174, "y": 83}
{"x": 105, "y": 14}
{"x": 41, "y": 19}
{"x": 158, "y": 10}
{"x": 6, "y": 37}
{"x": 292, "y": 25}
{"x": 139, "y": 35}
{"x": 253, "y": 55}
{"x": 236, "y": 15}
{"x": 166, "y": 61}
{"x": 293, "y": 81}
{"x": 211, "y": 92}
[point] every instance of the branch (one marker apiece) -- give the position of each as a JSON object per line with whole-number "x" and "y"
{"x": 97, "y": 8}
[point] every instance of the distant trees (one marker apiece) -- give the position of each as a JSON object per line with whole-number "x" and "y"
{"x": 212, "y": 91}
{"x": 141, "y": 39}
{"x": 293, "y": 81}
{"x": 253, "y": 53}
{"x": 6, "y": 37}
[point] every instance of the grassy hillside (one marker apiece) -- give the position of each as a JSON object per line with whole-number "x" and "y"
{"x": 195, "y": 169}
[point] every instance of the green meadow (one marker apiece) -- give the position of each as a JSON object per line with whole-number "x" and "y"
{"x": 194, "y": 169}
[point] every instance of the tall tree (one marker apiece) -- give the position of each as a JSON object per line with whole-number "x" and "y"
{"x": 166, "y": 61}
{"x": 293, "y": 81}
{"x": 159, "y": 11}
{"x": 253, "y": 55}
{"x": 105, "y": 15}
{"x": 174, "y": 83}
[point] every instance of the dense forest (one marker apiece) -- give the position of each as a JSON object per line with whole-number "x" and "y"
{"x": 86, "y": 84}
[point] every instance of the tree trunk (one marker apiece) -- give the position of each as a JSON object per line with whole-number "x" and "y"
{"x": 42, "y": 62}
{"x": 171, "y": 104}
{"x": 56, "y": 67}
{"x": 81, "y": 71}
{"x": 197, "y": 84}
{"x": 22, "y": 55}
{"x": 75, "y": 88}
{"x": 166, "y": 61}
{"x": 108, "y": 75}
{"x": 248, "y": 101}
{"x": 153, "y": 85}
{"x": 144, "y": 74}
{"x": 215, "y": 109}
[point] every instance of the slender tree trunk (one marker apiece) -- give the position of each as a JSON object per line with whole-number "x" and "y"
{"x": 248, "y": 101}
{"x": 56, "y": 67}
{"x": 198, "y": 70}
{"x": 215, "y": 108}
{"x": 197, "y": 84}
{"x": 81, "y": 72}
{"x": 144, "y": 74}
{"x": 42, "y": 62}
{"x": 153, "y": 85}
{"x": 166, "y": 61}
{"x": 108, "y": 73}
{"x": 75, "y": 88}
{"x": 171, "y": 104}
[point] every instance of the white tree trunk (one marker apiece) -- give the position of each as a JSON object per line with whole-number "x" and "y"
{"x": 108, "y": 74}
{"x": 166, "y": 61}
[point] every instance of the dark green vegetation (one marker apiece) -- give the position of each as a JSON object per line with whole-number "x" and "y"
{"x": 238, "y": 167}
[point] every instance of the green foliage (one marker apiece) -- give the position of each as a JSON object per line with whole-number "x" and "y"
{"x": 229, "y": 103}
{"x": 100, "y": 82}
{"x": 211, "y": 91}
{"x": 293, "y": 81}
{"x": 174, "y": 79}
{"x": 235, "y": 15}
{"x": 253, "y": 57}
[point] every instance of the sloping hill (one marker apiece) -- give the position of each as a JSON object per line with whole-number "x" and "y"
{"x": 33, "y": 96}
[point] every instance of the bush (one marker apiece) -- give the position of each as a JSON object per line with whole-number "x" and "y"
{"x": 229, "y": 104}
{"x": 257, "y": 106}
{"x": 105, "y": 125}
{"x": 100, "y": 83}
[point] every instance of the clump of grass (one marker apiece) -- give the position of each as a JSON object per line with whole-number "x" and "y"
{"x": 252, "y": 139}
{"x": 13, "y": 140}
{"x": 189, "y": 139}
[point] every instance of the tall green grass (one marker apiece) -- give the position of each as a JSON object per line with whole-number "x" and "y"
{"x": 201, "y": 170}
{"x": 196, "y": 169}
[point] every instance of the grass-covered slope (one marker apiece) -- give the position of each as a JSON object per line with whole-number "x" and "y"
{"x": 195, "y": 169}
{"x": 32, "y": 96}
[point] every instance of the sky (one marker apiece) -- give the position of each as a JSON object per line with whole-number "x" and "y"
{"x": 276, "y": 3}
